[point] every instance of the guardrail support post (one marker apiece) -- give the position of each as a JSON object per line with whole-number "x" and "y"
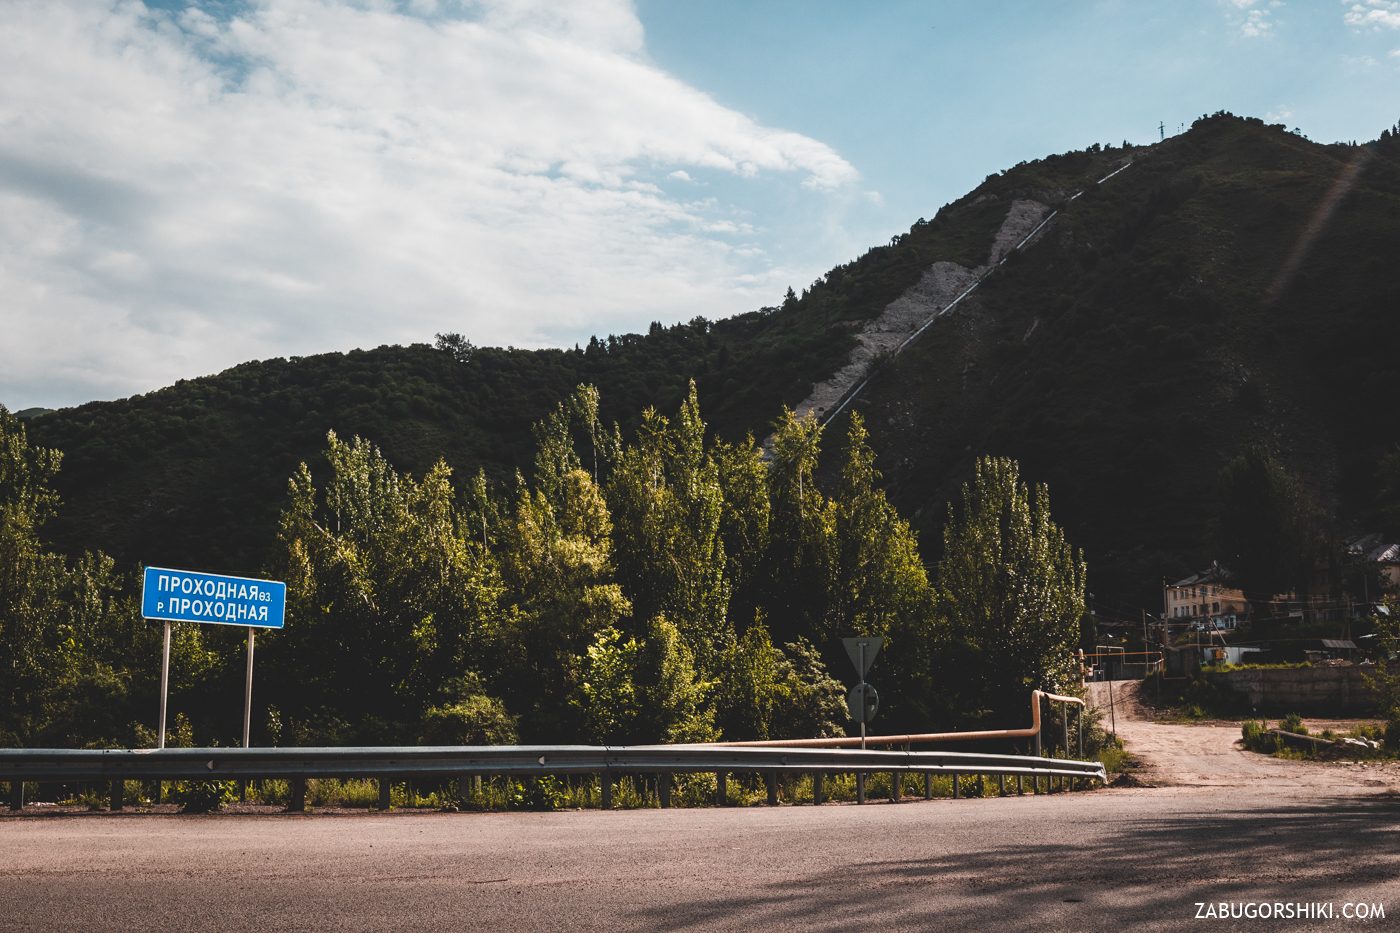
{"x": 118, "y": 788}
{"x": 1019, "y": 789}
{"x": 464, "y": 788}
{"x": 16, "y": 794}
{"x": 981, "y": 787}
{"x": 818, "y": 788}
{"x": 721, "y": 788}
{"x": 896, "y": 788}
{"x": 957, "y": 789}
{"x": 663, "y": 790}
{"x": 771, "y": 777}
{"x": 928, "y": 785}
{"x": 605, "y": 781}
{"x": 386, "y": 785}
{"x": 860, "y": 787}
{"x": 1001, "y": 785}
{"x": 297, "y": 801}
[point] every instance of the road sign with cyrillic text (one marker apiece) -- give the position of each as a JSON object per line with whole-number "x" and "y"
{"x": 189, "y": 596}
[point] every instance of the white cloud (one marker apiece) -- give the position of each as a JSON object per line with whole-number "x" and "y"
{"x": 1376, "y": 14}
{"x": 1257, "y": 20}
{"x": 179, "y": 192}
{"x": 1278, "y": 115}
{"x": 1256, "y": 24}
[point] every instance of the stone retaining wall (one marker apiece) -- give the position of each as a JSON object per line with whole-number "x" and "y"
{"x": 1311, "y": 691}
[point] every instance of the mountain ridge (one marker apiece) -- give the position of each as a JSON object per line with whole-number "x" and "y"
{"x": 1155, "y": 283}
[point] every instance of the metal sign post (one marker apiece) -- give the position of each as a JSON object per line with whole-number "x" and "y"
{"x": 862, "y": 695}
{"x": 164, "y": 683}
{"x": 248, "y": 689}
{"x": 862, "y": 700}
{"x": 189, "y": 596}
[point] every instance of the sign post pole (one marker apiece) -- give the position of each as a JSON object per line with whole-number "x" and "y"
{"x": 164, "y": 684}
{"x": 862, "y": 695}
{"x": 248, "y": 689}
{"x": 860, "y": 775}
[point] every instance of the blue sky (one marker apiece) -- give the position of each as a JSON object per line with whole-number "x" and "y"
{"x": 184, "y": 186}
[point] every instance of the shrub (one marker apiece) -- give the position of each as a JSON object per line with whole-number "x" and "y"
{"x": 473, "y": 719}
{"x": 1293, "y": 723}
{"x": 1392, "y": 734}
{"x": 203, "y": 796}
{"x": 1255, "y": 736}
{"x": 542, "y": 793}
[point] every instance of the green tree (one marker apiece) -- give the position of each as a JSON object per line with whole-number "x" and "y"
{"x": 388, "y": 588}
{"x": 1268, "y": 528}
{"x": 1012, "y": 589}
{"x": 666, "y": 493}
{"x": 880, "y": 584}
{"x": 767, "y": 693}
{"x": 744, "y": 523}
{"x": 558, "y": 561}
{"x": 69, "y": 640}
{"x": 30, "y": 578}
{"x": 802, "y": 552}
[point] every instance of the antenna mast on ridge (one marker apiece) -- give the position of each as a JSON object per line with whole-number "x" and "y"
{"x": 1161, "y": 130}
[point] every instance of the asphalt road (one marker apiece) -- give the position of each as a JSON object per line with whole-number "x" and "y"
{"x": 1257, "y": 830}
{"x": 1135, "y": 859}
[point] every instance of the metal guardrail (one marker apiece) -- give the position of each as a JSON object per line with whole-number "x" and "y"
{"x": 182, "y": 764}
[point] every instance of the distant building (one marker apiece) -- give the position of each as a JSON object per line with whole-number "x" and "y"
{"x": 1374, "y": 550}
{"x": 1209, "y": 598}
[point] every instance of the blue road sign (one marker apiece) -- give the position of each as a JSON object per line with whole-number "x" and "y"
{"x": 187, "y": 596}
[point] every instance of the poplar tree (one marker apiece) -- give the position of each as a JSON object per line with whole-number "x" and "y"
{"x": 558, "y": 558}
{"x": 1012, "y": 588}
{"x": 387, "y": 587}
{"x": 29, "y": 580}
{"x": 666, "y": 493}
{"x": 68, "y": 639}
{"x": 880, "y": 584}
{"x": 802, "y": 553}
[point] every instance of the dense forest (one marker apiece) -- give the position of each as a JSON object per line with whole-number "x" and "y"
{"x": 658, "y": 585}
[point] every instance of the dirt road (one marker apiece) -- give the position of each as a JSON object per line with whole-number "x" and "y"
{"x": 1208, "y": 755}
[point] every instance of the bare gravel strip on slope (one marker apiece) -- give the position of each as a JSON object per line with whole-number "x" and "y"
{"x": 937, "y": 287}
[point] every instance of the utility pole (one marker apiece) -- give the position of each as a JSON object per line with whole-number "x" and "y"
{"x": 1161, "y": 130}
{"x": 1144, "y": 642}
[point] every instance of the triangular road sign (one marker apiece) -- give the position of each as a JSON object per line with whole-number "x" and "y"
{"x": 872, "y": 645}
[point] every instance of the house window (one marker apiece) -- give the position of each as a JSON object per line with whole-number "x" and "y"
{"x": 1215, "y": 608}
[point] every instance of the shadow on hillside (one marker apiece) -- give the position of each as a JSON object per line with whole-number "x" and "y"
{"x": 1143, "y": 872}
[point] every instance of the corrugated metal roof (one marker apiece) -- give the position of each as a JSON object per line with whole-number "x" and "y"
{"x": 1339, "y": 643}
{"x": 1386, "y": 553}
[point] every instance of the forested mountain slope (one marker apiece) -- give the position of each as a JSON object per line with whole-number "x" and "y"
{"x": 1235, "y": 286}
{"x": 196, "y": 473}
